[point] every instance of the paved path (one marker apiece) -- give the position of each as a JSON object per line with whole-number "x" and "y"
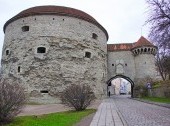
{"x": 107, "y": 115}
{"x": 122, "y": 111}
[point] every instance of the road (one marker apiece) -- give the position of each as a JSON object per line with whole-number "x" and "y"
{"x": 137, "y": 113}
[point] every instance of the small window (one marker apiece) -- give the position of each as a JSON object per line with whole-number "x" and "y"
{"x": 25, "y": 28}
{"x": 145, "y": 49}
{"x": 87, "y": 54}
{"x": 44, "y": 91}
{"x": 113, "y": 64}
{"x": 94, "y": 36}
{"x": 41, "y": 50}
{"x": 125, "y": 64}
{"x": 19, "y": 69}
{"x": 7, "y": 52}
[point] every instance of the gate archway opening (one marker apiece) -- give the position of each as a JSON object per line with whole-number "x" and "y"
{"x": 109, "y": 84}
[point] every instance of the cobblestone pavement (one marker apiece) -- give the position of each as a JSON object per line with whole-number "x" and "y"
{"x": 138, "y": 113}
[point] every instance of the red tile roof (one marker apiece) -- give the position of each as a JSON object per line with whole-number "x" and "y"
{"x": 142, "y": 42}
{"x": 129, "y": 46}
{"x": 119, "y": 47}
{"x": 55, "y": 10}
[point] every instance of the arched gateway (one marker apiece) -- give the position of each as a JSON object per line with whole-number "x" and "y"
{"x": 124, "y": 77}
{"x": 131, "y": 61}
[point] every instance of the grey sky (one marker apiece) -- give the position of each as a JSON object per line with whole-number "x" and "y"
{"x": 123, "y": 19}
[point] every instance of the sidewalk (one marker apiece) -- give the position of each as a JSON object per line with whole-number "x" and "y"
{"x": 108, "y": 115}
{"x": 154, "y": 103}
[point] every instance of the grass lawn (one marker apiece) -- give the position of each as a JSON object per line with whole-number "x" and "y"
{"x": 157, "y": 99}
{"x": 68, "y": 118}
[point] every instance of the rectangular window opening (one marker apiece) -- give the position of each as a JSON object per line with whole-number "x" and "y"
{"x": 44, "y": 91}
{"x": 41, "y": 50}
{"x": 19, "y": 69}
{"x": 94, "y": 36}
{"x": 87, "y": 54}
{"x": 25, "y": 28}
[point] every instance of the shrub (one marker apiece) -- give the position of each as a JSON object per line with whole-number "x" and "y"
{"x": 77, "y": 96}
{"x": 12, "y": 99}
{"x": 140, "y": 90}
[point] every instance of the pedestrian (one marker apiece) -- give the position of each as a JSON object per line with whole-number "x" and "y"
{"x": 109, "y": 93}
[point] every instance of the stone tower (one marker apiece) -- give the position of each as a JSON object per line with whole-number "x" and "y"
{"x": 144, "y": 59}
{"x": 48, "y": 48}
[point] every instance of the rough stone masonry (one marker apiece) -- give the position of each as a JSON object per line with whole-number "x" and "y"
{"x": 48, "y": 48}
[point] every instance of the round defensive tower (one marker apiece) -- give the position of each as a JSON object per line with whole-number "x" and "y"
{"x": 144, "y": 53}
{"x": 47, "y": 48}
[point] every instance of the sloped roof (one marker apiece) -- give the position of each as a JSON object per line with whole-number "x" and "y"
{"x": 128, "y": 46}
{"x": 119, "y": 47}
{"x": 56, "y": 10}
{"x": 142, "y": 42}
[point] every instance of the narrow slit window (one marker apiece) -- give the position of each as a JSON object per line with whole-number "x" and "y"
{"x": 25, "y": 28}
{"x": 7, "y": 52}
{"x": 44, "y": 91}
{"x": 94, "y": 36}
{"x": 41, "y": 50}
{"x": 19, "y": 69}
{"x": 87, "y": 54}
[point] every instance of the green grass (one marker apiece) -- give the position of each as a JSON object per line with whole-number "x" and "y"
{"x": 157, "y": 99}
{"x": 68, "y": 118}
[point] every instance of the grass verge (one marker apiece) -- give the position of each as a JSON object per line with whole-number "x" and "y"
{"x": 68, "y": 118}
{"x": 157, "y": 99}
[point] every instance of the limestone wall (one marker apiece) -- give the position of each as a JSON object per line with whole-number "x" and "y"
{"x": 121, "y": 62}
{"x": 67, "y": 42}
{"x": 145, "y": 66}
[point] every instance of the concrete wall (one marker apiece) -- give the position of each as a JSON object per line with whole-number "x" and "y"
{"x": 66, "y": 40}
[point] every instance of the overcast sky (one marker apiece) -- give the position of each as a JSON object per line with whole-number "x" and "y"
{"x": 123, "y": 19}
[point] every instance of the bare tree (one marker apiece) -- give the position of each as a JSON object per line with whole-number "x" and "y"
{"x": 159, "y": 18}
{"x": 77, "y": 96}
{"x": 12, "y": 99}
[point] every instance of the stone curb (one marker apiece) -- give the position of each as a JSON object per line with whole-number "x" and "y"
{"x": 154, "y": 103}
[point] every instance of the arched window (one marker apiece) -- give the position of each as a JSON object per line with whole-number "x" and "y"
{"x": 7, "y": 52}
{"x": 145, "y": 50}
{"x": 41, "y": 50}
{"x": 151, "y": 50}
